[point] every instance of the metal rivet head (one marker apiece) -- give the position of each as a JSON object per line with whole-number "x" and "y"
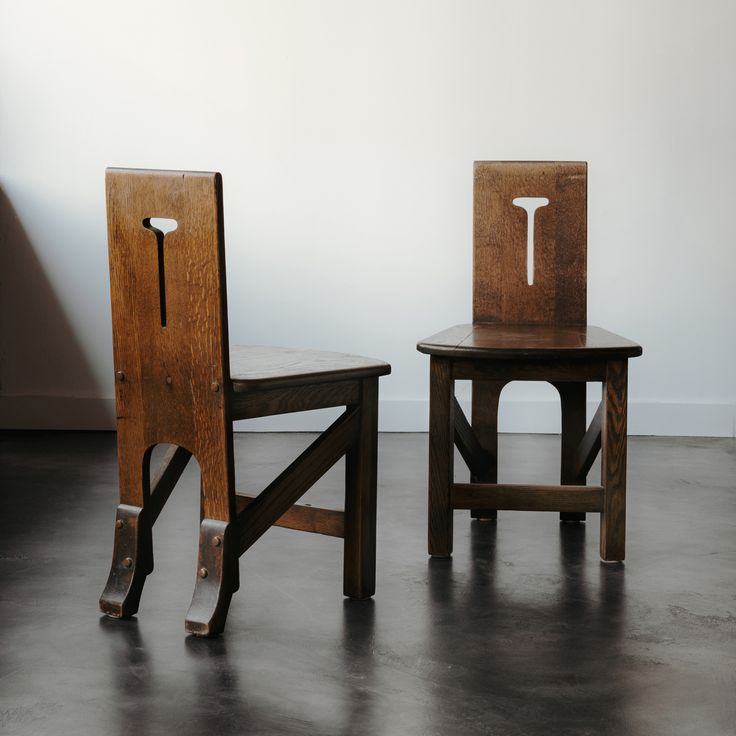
{"x": 119, "y": 524}
{"x": 169, "y": 380}
{"x": 202, "y": 572}
{"x": 128, "y": 562}
{"x": 215, "y": 386}
{"x": 216, "y": 541}
{"x": 120, "y": 376}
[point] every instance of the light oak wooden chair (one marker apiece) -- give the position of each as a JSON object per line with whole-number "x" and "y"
{"x": 179, "y": 383}
{"x": 529, "y": 324}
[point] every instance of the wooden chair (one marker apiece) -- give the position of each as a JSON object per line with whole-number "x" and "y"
{"x": 177, "y": 382}
{"x": 529, "y": 324}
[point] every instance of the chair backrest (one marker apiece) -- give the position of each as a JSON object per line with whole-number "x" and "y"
{"x": 530, "y": 242}
{"x": 169, "y": 308}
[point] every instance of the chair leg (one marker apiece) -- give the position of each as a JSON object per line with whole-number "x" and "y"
{"x": 441, "y": 456}
{"x": 359, "y": 560}
{"x": 217, "y": 579}
{"x": 132, "y": 562}
{"x": 217, "y": 563}
{"x": 486, "y": 395}
{"x": 613, "y": 462}
{"x": 132, "y": 557}
{"x": 572, "y": 402}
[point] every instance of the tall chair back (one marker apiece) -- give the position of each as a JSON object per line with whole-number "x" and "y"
{"x": 530, "y": 242}
{"x": 169, "y": 315}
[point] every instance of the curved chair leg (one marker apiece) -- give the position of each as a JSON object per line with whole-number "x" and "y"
{"x": 217, "y": 579}
{"x": 572, "y": 402}
{"x": 486, "y": 395}
{"x": 132, "y": 561}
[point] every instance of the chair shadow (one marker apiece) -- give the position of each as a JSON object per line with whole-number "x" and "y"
{"x": 38, "y": 345}
{"x": 500, "y": 633}
{"x": 132, "y": 675}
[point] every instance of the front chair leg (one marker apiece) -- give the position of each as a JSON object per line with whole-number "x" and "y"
{"x": 441, "y": 456}
{"x": 359, "y": 560}
{"x": 132, "y": 561}
{"x": 613, "y": 463}
{"x": 217, "y": 579}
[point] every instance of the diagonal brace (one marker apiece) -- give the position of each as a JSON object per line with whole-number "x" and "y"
{"x": 476, "y": 458}
{"x": 589, "y": 446}
{"x": 297, "y": 479}
{"x": 167, "y": 476}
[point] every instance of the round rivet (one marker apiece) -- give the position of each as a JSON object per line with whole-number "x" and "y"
{"x": 202, "y": 572}
{"x": 120, "y": 375}
{"x": 215, "y": 386}
{"x": 216, "y": 541}
{"x": 119, "y": 524}
{"x": 168, "y": 380}
{"x": 128, "y": 562}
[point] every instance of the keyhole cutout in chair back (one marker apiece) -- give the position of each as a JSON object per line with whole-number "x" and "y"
{"x": 160, "y": 227}
{"x": 531, "y": 205}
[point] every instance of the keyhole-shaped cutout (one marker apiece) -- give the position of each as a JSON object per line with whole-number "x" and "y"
{"x": 160, "y": 227}
{"x": 531, "y": 205}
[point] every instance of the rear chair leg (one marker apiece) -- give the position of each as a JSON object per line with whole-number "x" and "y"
{"x": 217, "y": 579}
{"x": 572, "y": 403}
{"x": 486, "y": 396}
{"x": 359, "y": 567}
{"x": 613, "y": 463}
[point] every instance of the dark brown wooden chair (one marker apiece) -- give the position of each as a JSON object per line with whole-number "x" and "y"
{"x": 177, "y": 382}
{"x": 529, "y": 324}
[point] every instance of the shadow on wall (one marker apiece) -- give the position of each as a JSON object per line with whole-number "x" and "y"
{"x": 46, "y": 381}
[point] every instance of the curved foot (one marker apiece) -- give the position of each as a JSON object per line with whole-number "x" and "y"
{"x": 132, "y": 561}
{"x": 217, "y": 579}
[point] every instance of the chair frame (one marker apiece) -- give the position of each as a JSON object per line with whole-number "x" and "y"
{"x": 502, "y": 296}
{"x": 173, "y": 386}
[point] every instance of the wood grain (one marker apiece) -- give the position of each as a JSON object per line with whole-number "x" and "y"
{"x": 305, "y": 518}
{"x": 500, "y": 289}
{"x": 475, "y": 456}
{"x": 526, "y": 497}
{"x": 486, "y": 396}
{"x": 297, "y": 479}
{"x": 259, "y": 367}
{"x": 441, "y": 460}
{"x": 589, "y": 446}
{"x": 359, "y": 560}
{"x": 613, "y": 463}
{"x": 573, "y": 421}
{"x": 554, "y": 371}
{"x": 166, "y": 394}
{"x": 513, "y": 341}
{"x": 270, "y": 402}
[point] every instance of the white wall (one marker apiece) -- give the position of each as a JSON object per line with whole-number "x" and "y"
{"x": 346, "y": 133}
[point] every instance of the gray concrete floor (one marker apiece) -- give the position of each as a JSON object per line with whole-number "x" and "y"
{"x": 524, "y": 631}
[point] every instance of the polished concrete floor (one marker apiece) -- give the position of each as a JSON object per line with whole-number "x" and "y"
{"x": 524, "y": 631}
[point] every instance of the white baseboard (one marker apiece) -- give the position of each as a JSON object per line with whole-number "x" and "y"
{"x": 671, "y": 419}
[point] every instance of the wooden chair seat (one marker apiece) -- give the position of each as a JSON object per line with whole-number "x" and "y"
{"x": 255, "y": 367}
{"x": 510, "y": 341}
